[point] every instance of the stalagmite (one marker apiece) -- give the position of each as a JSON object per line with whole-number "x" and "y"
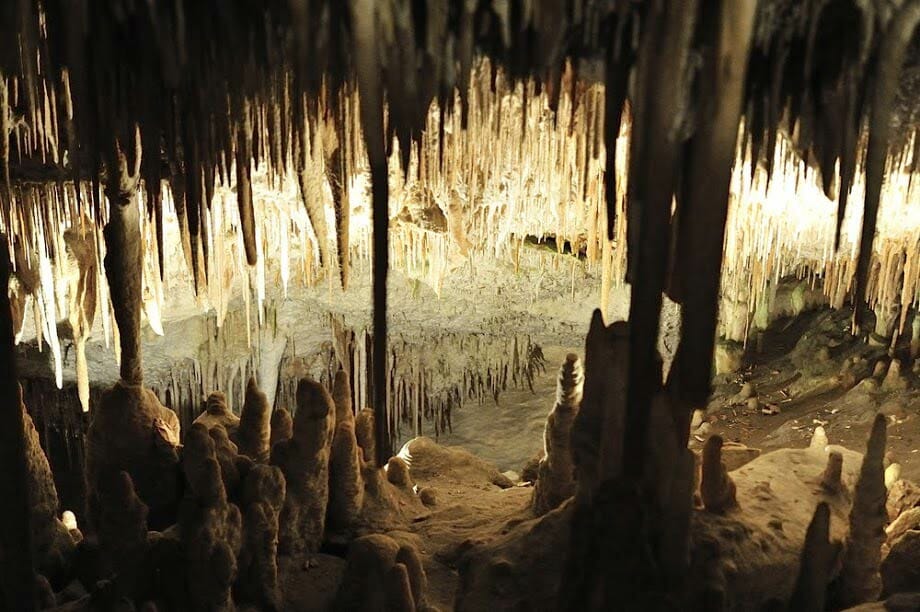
{"x": 254, "y": 434}
{"x": 382, "y": 575}
{"x": 51, "y": 539}
{"x": 556, "y": 473}
{"x": 262, "y": 499}
{"x": 818, "y": 556}
{"x": 132, "y": 432}
{"x": 210, "y": 527}
{"x": 597, "y": 430}
{"x": 122, "y": 530}
{"x": 346, "y": 487}
{"x": 859, "y": 579}
{"x": 364, "y": 433}
{"x": 818, "y": 439}
{"x": 227, "y": 455}
{"x": 398, "y": 472}
{"x": 716, "y": 487}
{"x": 282, "y": 426}
{"x": 830, "y": 479}
{"x": 304, "y": 460}
{"x": 217, "y": 413}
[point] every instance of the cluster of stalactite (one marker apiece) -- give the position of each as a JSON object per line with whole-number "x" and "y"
{"x": 422, "y": 391}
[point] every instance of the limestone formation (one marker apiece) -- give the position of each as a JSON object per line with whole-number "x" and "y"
{"x": 364, "y": 432}
{"x": 262, "y": 499}
{"x": 227, "y": 454}
{"x": 122, "y": 530}
{"x": 282, "y": 426}
{"x": 900, "y": 570}
{"x": 51, "y": 539}
{"x": 600, "y": 419}
{"x": 716, "y": 486}
{"x": 218, "y": 413}
{"x": 859, "y": 578}
{"x": 819, "y": 439}
{"x": 382, "y": 576}
{"x": 428, "y": 496}
{"x": 132, "y": 432}
{"x": 892, "y": 474}
{"x": 902, "y": 496}
{"x": 894, "y": 380}
{"x": 210, "y": 527}
{"x": 830, "y": 479}
{"x": 908, "y": 521}
{"x": 399, "y": 590}
{"x": 346, "y": 486}
{"x": 304, "y": 460}
{"x": 818, "y": 555}
{"x": 556, "y": 472}
{"x": 398, "y": 472}
{"x": 254, "y": 435}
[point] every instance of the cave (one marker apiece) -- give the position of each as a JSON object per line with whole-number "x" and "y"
{"x": 429, "y": 305}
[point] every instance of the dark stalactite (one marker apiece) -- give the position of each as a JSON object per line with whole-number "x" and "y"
{"x": 658, "y": 110}
{"x": 371, "y": 96}
{"x": 18, "y": 580}
{"x": 726, "y": 35}
{"x": 123, "y": 261}
{"x": 890, "y": 60}
{"x": 244, "y": 185}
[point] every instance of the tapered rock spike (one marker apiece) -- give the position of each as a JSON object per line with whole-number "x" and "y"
{"x": 859, "y": 578}
{"x": 830, "y": 479}
{"x": 254, "y": 434}
{"x": 716, "y": 487}
{"x": 818, "y": 554}
{"x": 819, "y": 439}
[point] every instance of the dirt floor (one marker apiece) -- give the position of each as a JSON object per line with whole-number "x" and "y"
{"x": 801, "y": 372}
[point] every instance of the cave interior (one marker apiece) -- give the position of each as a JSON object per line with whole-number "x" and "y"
{"x": 398, "y": 305}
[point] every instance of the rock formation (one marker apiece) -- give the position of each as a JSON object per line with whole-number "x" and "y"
{"x": 262, "y": 499}
{"x": 818, "y": 556}
{"x": 364, "y": 432}
{"x": 859, "y": 578}
{"x": 282, "y": 426}
{"x": 51, "y": 539}
{"x": 716, "y": 486}
{"x": 556, "y": 472}
{"x": 254, "y": 435}
{"x": 830, "y": 479}
{"x": 382, "y": 576}
{"x": 346, "y": 486}
{"x": 304, "y": 460}
{"x": 217, "y": 413}
{"x": 210, "y": 527}
{"x": 132, "y": 432}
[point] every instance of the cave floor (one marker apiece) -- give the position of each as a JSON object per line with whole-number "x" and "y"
{"x": 472, "y": 509}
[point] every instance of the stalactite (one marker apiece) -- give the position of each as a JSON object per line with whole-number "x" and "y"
{"x": 363, "y": 15}
{"x": 702, "y": 214}
{"x": 660, "y": 85}
{"x": 890, "y": 60}
{"x": 123, "y": 261}
{"x": 244, "y": 183}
